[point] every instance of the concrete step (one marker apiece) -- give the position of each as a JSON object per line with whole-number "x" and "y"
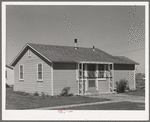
{"x": 92, "y": 91}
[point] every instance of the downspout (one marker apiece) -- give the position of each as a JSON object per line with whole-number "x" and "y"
{"x": 113, "y": 76}
{"x": 96, "y": 76}
{"x": 52, "y": 86}
{"x": 134, "y": 80}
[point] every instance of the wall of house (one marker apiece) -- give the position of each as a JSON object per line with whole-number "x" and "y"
{"x": 30, "y": 83}
{"x": 64, "y": 75}
{"x": 10, "y": 76}
{"x": 124, "y": 71}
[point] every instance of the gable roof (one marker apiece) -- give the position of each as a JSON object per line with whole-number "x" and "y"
{"x": 54, "y": 53}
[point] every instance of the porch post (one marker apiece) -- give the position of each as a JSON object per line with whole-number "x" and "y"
{"x": 113, "y": 76}
{"x": 86, "y": 83}
{"x": 109, "y": 80}
{"x": 78, "y": 79}
{"x": 52, "y": 86}
{"x": 104, "y": 70}
{"x": 134, "y": 81}
{"x": 96, "y": 76}
{"x": 82, "y": 77}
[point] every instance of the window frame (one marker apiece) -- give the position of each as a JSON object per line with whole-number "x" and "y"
{"x": 22, "y": 71}
{"x": 38, "y": 72}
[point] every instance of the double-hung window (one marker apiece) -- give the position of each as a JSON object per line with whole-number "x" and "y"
{"x": 39, "y": 72}
{"x": 21, "y": 72}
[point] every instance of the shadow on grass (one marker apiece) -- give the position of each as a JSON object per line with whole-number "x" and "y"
{"x": 17, "y": 101}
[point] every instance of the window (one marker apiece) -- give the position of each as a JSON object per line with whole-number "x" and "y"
{"x": 29, "y": 53}
{"x": 39, "y": 72}
{"x": 21, "y": 74}
{"x": 6, "y": 74}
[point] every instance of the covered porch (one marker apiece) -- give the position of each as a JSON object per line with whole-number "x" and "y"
{"x": 95, "y": 77}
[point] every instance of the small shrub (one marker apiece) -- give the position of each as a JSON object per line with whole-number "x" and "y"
{"x": 121, "y": 85}
{"x": 20, "y": 92}
{"x": 43, "y": 95}
{"x": 36, "y": 94}
{"x": 65, "y": 92}
{"x": 24, "y": 93}
{"x": 48, "y": 95}
{"x": 71, "y": 94}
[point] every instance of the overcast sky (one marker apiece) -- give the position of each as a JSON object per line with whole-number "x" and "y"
{"x": 117, "y": 30}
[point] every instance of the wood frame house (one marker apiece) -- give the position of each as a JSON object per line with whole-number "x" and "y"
{"x": 9, "y": 75}
{"x": 50, "y": 68}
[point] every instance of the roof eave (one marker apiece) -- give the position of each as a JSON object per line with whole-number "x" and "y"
{"x": 9, "y": 67}
{"x": 129, "y": 63}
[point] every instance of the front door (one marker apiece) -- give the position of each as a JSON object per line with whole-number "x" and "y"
{"x": 91, "y": 69}
{"x": 91, "y": 85}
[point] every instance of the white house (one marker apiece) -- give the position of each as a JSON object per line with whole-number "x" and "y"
{"x": 9, "y": 75}
{"x": 50, "y": 68}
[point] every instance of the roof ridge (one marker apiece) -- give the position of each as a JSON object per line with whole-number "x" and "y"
{"x": 62, "y": 46}
{"x": 103, "y": 52}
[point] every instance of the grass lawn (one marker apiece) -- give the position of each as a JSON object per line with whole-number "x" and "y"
{"x": 138, "y": 92}
{"x": 111, "y": 106}
{"x": 17, "y": 101}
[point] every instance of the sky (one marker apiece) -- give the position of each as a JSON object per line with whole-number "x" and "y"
{"x": 117, "y": 30}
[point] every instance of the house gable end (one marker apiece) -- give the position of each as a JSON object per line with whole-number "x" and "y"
{"x": 24, "y": 50}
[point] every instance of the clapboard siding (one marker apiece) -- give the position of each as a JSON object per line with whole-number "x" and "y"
{"x": 128, "y": 75}
{"x": 30, "y": 83}
{"x": 64, "y": 75}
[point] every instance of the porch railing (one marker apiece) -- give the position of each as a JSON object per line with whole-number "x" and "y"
{"x": 98, "y": 74}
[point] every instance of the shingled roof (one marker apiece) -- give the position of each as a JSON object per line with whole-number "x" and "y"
{"x": 55, "y": 53}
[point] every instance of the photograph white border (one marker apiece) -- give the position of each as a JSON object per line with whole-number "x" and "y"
{"x": 76, "y": 114}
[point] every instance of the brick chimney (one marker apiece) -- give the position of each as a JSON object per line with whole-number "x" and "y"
{"x": 75, "y": 42}
{"x": 93, "y": 48}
